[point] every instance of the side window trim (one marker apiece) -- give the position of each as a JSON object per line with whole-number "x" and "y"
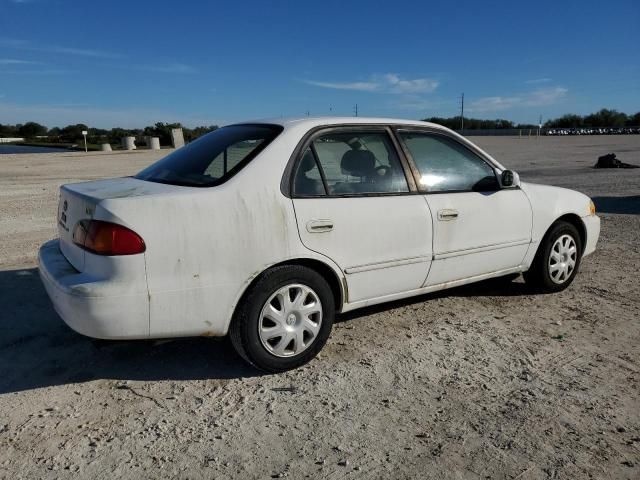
{"x": 307, "y": 142}
{"x": 320, "y": 169}
{"x": 295, "y": 172}
{"x": 434, "y": 133}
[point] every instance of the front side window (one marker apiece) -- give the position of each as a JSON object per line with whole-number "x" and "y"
{"x": 350, "y": 163}
{"x": 445, "y": 165}
{"x": 213, "y": 158}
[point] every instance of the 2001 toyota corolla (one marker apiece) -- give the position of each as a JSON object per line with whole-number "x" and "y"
{"x": 265, "y": 230}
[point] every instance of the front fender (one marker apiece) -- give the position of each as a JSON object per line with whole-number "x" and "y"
{"x": 550, "y": 203}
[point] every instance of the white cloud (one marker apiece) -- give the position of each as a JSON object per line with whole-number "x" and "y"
{"x": 387, "y": 83}
{"x": 80, "y": 52}
{"x": 417, "y": 85}
{"x": 168, "y": 68}
{"x": 536, "y": 81}
{"x": 14, "y": 61}
{"x": 535, "y": 98}
{"x": 418, "y": 103}
{"x": 83, "y": 52}
{"x": 51, "y": 71}
{"x": 360, "y": 86}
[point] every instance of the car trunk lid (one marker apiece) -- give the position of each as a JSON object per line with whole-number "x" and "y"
{"x": 78, "y": 201}
{"x": 71, "y": 209}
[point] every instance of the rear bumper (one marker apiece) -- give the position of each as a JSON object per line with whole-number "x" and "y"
{"x": 592, "y": 226}
{"x": 95, "y": 307}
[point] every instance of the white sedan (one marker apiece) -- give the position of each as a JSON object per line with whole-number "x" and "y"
{"x": 265, "y": 230}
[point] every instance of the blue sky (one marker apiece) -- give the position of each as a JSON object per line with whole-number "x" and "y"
{"x": 131, "y": 63}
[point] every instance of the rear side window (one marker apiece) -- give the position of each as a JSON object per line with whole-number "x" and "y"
{"x": 445, "y": 165}
{"x": 308, "y": 181}
{"x": 349, "y": 163}
{"x": 213, "y": 158}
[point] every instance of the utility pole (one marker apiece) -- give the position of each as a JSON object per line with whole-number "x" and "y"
{"x": 462, "y": 114}
{"x": 540, "y": 126}
{"x": 355, "y": 109}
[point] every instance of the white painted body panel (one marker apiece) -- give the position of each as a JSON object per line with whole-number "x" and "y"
{"x": 382, "y": 244}
{"x": 550, "y": 203}
{"x": 491, "y": 232}
{"x": 113, "y": 305}
{"x": 204, "y": 246}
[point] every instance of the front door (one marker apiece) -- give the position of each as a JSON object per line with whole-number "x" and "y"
{"x": 478, "y": 227}
{"x": 353, "y": 204}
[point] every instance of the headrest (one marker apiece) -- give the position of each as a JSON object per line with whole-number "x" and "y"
{"x": 358, "y": 163}
{"x": 308, "y": 162}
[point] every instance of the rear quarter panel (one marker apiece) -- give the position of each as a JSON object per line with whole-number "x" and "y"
{"x": 205, "y": 245}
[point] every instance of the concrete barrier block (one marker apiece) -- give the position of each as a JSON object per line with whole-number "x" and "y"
{"x": 177, "y": 137}
{"x": 129, "y": 143}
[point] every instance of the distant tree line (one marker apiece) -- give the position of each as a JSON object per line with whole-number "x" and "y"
{"x": 73, "y": 133}
{"x": 33, "y": 131}
{"x": 602, "y": 118}
{"x": 475, "y": 123}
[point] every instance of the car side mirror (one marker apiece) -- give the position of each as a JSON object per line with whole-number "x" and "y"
{"x": 508, "y": 178}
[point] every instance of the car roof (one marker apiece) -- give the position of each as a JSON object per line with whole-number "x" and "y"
{"x": 312, "y": 122}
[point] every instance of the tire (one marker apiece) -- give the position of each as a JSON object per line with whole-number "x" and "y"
{"x": 547, "y": 274}
{"x": 264, "y": 313}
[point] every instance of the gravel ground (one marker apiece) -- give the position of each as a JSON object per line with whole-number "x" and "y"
{"x": 484, "y": 381}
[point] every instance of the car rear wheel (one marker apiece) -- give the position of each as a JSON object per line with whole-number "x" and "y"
{"x": 284, "y": 320}
{"x": 557, "y": 260}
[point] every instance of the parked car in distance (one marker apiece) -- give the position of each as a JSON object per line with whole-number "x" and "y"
{"x": 265, "y": 230}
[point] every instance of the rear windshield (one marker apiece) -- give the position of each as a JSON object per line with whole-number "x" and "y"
{"x": 213, "y": 158}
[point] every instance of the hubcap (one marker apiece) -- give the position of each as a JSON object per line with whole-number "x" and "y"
{"x": 562, "y": 260}
{"x": 290, "y": 320}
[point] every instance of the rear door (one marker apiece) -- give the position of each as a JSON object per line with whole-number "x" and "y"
{"x": 355, "y": 204}
{"x": 478, "y": 227}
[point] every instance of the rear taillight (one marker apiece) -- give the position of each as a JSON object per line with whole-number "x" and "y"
{"x": 106, "y": 238}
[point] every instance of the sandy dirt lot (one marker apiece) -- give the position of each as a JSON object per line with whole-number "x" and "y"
{"x": 485, "y": 381}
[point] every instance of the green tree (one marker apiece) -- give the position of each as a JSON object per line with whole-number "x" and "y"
{"x": 162, "y": 131}
{"x": 8, "y": 131}
{"x": 73, "y": 133}
{"x": 606, "y": 118}
{"x": 115, "y": 134}
{"x": 31, "y": 129}
{"x": 471, "y": 123}
{"x": 569, "y": 120}
{"x": 191, "y": 134}
{"x": 634, "y": 120}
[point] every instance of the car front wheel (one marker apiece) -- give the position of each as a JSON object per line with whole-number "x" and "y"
{"x": 284, "y": 320}
{"x": 557, "y": 260}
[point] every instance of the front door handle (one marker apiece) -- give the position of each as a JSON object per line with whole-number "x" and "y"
{"x": 319, "y": 226}
{"x": 447, "y": 214}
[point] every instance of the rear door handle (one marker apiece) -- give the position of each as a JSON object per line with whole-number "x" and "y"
{"x": 319, "y": 226}
{"x": 447, "y": 214}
